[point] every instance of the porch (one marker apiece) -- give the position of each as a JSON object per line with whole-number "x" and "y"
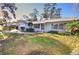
{"x": 46, "y": 27}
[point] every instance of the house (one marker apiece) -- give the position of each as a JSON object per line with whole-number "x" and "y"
{"x": 12, "y": 25}
{"x": 52, "y": 25}
{"x": 22, "y": 25}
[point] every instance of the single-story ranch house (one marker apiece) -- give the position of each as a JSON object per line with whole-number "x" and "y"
{"x": 47, "y": 25}
{"x": 52, "y": 25}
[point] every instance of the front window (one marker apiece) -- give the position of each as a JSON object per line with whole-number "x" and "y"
{"x": 37, "y": 26}
{"x": 55, "y": 26}
{"x": 61, "y": 26}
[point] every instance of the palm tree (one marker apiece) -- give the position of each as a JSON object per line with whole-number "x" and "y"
{"x": 73, "y": 27}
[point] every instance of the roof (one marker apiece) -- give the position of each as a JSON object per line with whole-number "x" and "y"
{"x": 54, "y": 20}
{"x": 22, "y": 21}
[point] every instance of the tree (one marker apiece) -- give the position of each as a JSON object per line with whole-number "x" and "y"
{"x": 25, "y": 17}
{"x": 45, "y": 14}
{"x": 46, "y": 9}
{"x": 52, "y": 11}
{"x": 49, "y": 9}
{"x": 34, "y": 14}
{"x": 6, "y": 9}
{"x": 57, "y": 13}
{"x": 10, "y": 7}
{"x": 49, "y": 5}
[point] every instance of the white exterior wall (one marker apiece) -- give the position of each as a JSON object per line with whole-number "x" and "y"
{"x": 22, "y": 25}
{"x": 60, "y": 30}
{"x": 49, "y": 27}
{"x": 38, "y": 29}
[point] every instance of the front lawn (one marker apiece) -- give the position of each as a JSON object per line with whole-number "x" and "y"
{"x": 44, "y": 43}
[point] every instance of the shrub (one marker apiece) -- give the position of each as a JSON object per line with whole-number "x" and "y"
{"x": 75, "y": 32}
{"x": 1, "y": 36}
{"x": 30, "y": 30}
{"x": 5, "y": 28}
{"x": 64, "y": 33}
{"x": 53, "y": 32}
{"x": 60, "y": 33}
{"x": 73, "y": 27}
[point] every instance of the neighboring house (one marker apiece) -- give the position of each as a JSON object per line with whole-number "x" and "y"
{"x": 52, "y": 25}
{"x": 22, "y": 25}
{"x": 13, "y": 25}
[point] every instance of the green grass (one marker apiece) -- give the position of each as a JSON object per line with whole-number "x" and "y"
{"x": 1, "y": 36}
{"x": 50, "y": 43}
{"x": 42, "y": 40}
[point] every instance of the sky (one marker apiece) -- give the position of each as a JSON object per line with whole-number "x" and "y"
{"x": 26, "y": 8}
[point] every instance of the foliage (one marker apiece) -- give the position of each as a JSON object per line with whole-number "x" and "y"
{"x": 30, "y": 24}
{"x": 1, "y": 27}
{"x": 30, "y": 30}
{"x": 6, "y": 9}
{"x": 53, "y": 32}
{"x": 64, "y": 33}
{"x": 5, "y": 28}
{"x": 11, "y": 7}
{"x": 60, "y": 33}
{"x": 73, "y": 27}
{"x": 1, "y": 36}
{"x": 34, "y": 15}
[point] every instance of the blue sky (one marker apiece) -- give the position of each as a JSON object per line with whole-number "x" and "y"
{"x": 26, "y": 8}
